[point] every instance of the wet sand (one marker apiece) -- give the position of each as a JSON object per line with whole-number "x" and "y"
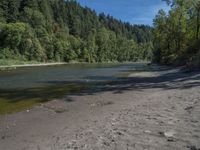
{"x": 150, "y": 110}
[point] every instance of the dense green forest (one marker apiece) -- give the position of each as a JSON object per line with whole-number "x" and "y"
{"x": 59, "y": 30}
{"x": 177, "y": 34}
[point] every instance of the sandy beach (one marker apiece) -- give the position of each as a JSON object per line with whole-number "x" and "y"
{"x": 151, "y": 110}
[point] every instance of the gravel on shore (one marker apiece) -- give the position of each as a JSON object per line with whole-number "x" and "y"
{"x": 149, "y": 111}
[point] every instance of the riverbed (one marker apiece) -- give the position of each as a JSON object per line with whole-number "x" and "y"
{"x": 145, "y": 108}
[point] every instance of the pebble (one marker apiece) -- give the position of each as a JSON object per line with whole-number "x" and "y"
{"x": 169, "y": 134}
{"x": 147, "y": 131}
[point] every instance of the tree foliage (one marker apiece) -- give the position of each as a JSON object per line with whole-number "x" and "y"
{"x": 60, "y": 30}
{"x": 177, "y": 33}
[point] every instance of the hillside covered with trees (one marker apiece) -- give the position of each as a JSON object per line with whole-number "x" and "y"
{"x": 59, "y": 30}
{"x": 177, "y": 34}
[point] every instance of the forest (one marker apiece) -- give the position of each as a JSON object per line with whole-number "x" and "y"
{"x": 64, "y": 31}
{"x": 177, "y": 34}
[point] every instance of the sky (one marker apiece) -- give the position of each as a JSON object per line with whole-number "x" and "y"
{"x": 132, "y": 11}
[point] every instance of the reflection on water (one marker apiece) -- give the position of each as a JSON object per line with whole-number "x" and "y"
{"x": 23, "y": 87}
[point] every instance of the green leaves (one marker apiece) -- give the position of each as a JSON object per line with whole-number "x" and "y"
{"x": 175, "y": 32}
{"x": 11, "y": 34}
{"x": 59, "y": 30}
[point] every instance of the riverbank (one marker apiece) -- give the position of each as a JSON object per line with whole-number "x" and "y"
{"x": 158, "y": 109}
{"x": 13, "y": 64}
{"x": 32, "y": 65}
{"x": 18, "y": 64}
{"x": 25, "y": 87}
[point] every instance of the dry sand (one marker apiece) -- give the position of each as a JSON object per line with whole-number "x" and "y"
{"x": 158, "y": 110}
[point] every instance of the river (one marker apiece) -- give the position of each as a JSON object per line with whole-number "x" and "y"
{"x": 23, "y": 87}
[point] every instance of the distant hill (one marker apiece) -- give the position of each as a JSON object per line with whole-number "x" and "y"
{"x": 59, "y": 30}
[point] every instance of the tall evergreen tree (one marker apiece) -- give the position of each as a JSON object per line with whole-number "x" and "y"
{"x": 63, "y": 30}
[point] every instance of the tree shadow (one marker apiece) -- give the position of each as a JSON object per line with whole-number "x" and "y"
{"x": 167, "y": 80}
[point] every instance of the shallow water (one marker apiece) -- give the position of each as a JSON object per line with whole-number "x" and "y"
{"x": 24, "y": 87}
{"x": 29, "y": 77}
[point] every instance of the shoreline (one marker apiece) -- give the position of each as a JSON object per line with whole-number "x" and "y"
{"x": 60, "y": 63}
{"x": 148, "y": 110}
{"x": 32, "y": 65}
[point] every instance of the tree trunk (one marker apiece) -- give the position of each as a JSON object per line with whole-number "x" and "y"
{"x": 198, "y": 25}
{"x": 179, "y": 33}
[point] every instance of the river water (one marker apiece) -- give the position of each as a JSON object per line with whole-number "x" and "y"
{"x": 29, "y": 77}
{"x": 24, "y": 87}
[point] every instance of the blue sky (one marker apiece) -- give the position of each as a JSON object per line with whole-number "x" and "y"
{"x": 133, "y": 11}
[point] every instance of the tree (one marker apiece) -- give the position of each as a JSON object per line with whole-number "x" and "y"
{"x": 91, "y": 47}
{"x": 197, "y": 12}
{"x": 63, "y": 30}
{"x": 160, "y": 35}
{"x": 11, "y": 34}
{"x": 102, "y": 42}
{"x": 177, "y": 35}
